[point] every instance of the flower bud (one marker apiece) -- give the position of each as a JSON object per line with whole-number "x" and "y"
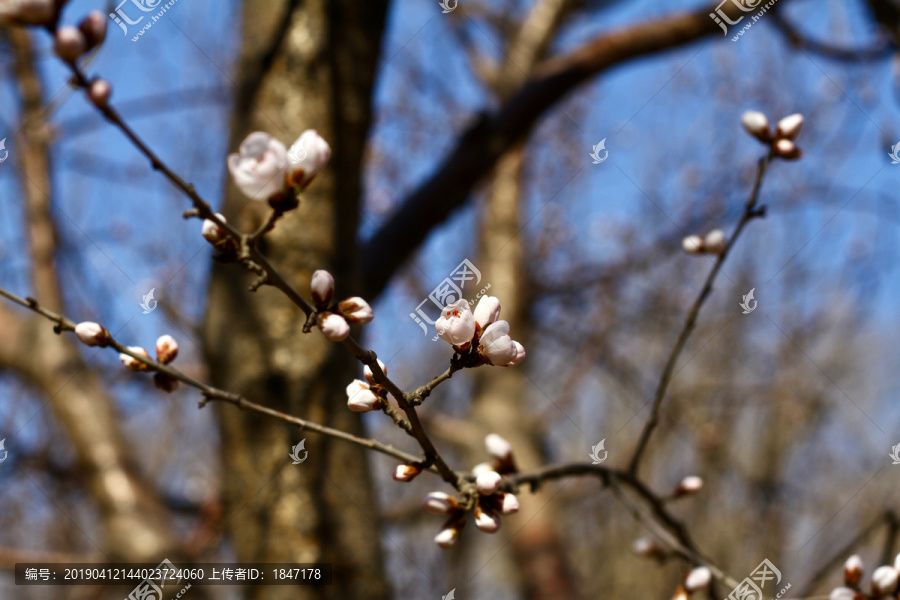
{"x": 260, "y": 166}
{"x": 488, "y": 483}
{"x": 884, "y": 580}
{"x": 133, "y": 364}
{"x": 645, "y": 547}
{"x": 307, "y": 157}
{"x": 789, "y": 126}
{"x": 697, "y": 579}
{"x": 212, "y": 232}
{"x": 370, "y": 376}
{"x": 447, "y": 537}
{"x": 335, "y": 327}
{"x": 356, "y": 310}
{"x": 692, "y": 244}
{"x": 486, "y": 520}
{"x": 509, "y": 505}
{"x": 486, "y": 311}
{"x": 93, "y": 27}
{"x": 689, "y": 485}
{"x": 99, "y": 92}
{"x": 481, "y": 468}
{"x": 757, "y": 125}
{"x": 786, "y": 149}
{"x": 853, "y": 571}
{"x": 842, "y": 593}
{"x": 714, "y": 242}
{"x": 321, "y": 286}
{"x": 405, "y": 472}
{"x": 439, "y": 503}
{"x": 360, "y": 398}
{"x": 165, "y": 382}
{"x": 92, "y": 334}
{"x": 166, "y": 349}
{"x": 497, "y": 446}
{"x": 69, "y": 43}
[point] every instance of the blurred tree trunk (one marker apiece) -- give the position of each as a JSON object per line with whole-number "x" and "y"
{"x": 303, "y": 65}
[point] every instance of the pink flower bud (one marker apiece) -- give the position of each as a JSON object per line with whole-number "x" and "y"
{"x": 689, "y": 485}
{"x": 335, "y": 327}
{"x": 321, "y": 286}
{"x": 405, "y": 472}
{"x": 308, "y": 156}
{"x": 757, "y": 125}
{"x": 853, "y": 571}
{"x": 447, "y": 537}
{"x": 486, "y": 520}
{"x": 93, "y": 27}
{"x": 70, "y": 43}
{"x": 697, "y": 579}
{"x": 133, "y": 364}
{"x": 166, "y": 349}
{"x": 99, "y": 92}
{"x": 456, "y": 325}
{"x": 212, "y": 232}
{"x": 497, "y": 446}
{"x": 488, "y": 483}
{"x": 360, "y": 398}
{"x": 165, "y": 382}
{"x": 92, "y": 334}
{"x": 356, "y": 310}
{"x": 510, "y": 504}
{"x": 370, "y": 377}
{"x": 789, "y": 126}
{"x": 884, "y": 581}
{"x": 486, "y": 311}
{"x": 714, "y": 242}
{"x": 692, "y": 244}
{"x": 439, "y": 503}
{"x": 786, "y": 149}
{"x": 260, "y": 166}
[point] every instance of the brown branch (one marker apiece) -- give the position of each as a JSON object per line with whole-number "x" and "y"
{"x": 802, "y": 42}
{"x": 750, "y": 213}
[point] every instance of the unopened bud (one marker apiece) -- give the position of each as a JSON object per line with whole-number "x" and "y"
{"x": 447, "y": 537}
{"x": 497, "y": 446}
{"x": 335, "y": 327}
{"x": 439, "y": 503}
{"x": 322, "y": 288}
{"x": 369, "y": 375}
{"x": 133, "y": 364}
{"x": 786, "y": 149}
{"x": 509, "y": 505}
{"x": 488, "y": 483}
{"x": 212, "y": 232}
{"x": 843, "y": 593}
{"x": 757, "y": 125}
{"x": 481, "y": 468}
{"x": 69, "y": 43}
{"x": 93, "y": 27}
{"x": 165, "y": 382}
{"x": 689, "y": 485}
{"x": 789, "y": 126}
{"x": 645, "y": 547}
{"x": 884, "y": 580}
{"x": 360, "y": 398}
{"x": 853, "y": 571}
{"x": 714, "y": 242}
{"x": 99, "y": 92}
{"x": 405, "y": 472}
{"x": 166, "y": 349}
{"x": 356, "y": 310}
{"x": 697, "y": 579}
{"x": 486, "y": 521}
{"x": 692, "y": 244}
{"x": 92, "y": 334}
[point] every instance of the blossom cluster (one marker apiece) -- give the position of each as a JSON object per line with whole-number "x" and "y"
{"x": 94, "y": 334}
{"x": 479, "y": 334}
{"x": 334, "y": 320}
{"x": 490, "y": 504}
{"x": 884, "y": 581}
{"x": 363, "y": 396}
{"x": 781, "y": 141}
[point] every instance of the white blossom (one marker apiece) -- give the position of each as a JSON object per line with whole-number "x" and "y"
{"x": 335, "y": 327}
{"x": 133, "y": 364}
{"x": 308, "y": 156}
{"x": 486, "y": 520}
{"x": 498, "y": 348}
{"x": 645, "y": 547}
{"x": 481, "y": 468}
{"x": 488, "y": 483}
{"x": 405, "y": 472}
{"x": 356, "y": 310}
{"x": 456, "y": 325}
{"x": 99, "y": 92}
{"x": 360, "y": 397}
{"x": 785, "y": 148}
{"x": 486, "y": 311}
{"x": 842, "y": 593}
{"x": 510, "y": 504}
{"x": 853, "y": 570}
{"x": 260, "y": 166}
{"x": 447, "y": 537}
{"x": 91, "y": 334}
{"x": 884, "y": 580}
{"x": 689, "y": 485}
